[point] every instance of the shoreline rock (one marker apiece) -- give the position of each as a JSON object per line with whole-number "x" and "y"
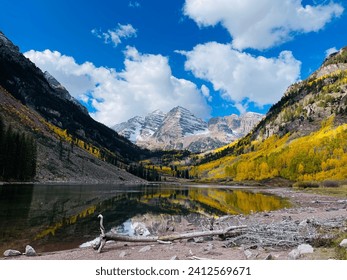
{"x": 30, "y": 251}
{"x": 12, "y": 253}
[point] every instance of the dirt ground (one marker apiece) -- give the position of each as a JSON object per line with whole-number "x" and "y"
{"x": 306, "y": 206}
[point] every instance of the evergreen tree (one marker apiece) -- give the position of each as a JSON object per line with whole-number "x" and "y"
{"x": 18, "y": 155}
{"x": 9, "y": 154}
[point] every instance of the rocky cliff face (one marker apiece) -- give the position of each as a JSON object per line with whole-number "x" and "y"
{"x": 62, "y": 92}
{"x": 140, "y": 128}
{"x": 306, "y": 104}
{"x": 235, "y": 125}
{"x": 180, "y": 129}
{"x": 179, "y": 122}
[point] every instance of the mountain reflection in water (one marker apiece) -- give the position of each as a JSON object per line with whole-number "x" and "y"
{"x": 56, "y": 217}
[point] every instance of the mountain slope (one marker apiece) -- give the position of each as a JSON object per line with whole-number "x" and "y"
{"x": 177, "y": 124}
{"x": 180, "y": 129}
{"x": 306, "y": 104}
{"x": 58, "y": 160}
{"x": 139, "y": 128}
{"x": 62, "y": 92}
{"x": 71, "y": 146}
{"x": 20, "y": 77}
{"x": 303, "y": 137}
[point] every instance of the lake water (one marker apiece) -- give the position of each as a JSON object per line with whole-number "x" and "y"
{"x": 57, "y": 217}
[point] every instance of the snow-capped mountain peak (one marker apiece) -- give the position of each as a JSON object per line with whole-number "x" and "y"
{"x": 178, "y": 123}
{"x": 140, "y": 128}
{"x": 181, "y": 129}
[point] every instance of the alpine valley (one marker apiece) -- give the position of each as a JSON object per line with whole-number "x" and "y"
{"x": 173, "y": 130}
{"x": 213, "y": 174}
{"x": 302, "y": 137}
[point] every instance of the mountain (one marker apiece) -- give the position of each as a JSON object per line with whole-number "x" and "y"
{"x": 306, "y": 104}
{"x": 71, "y": 145}
{"x": 180, "y": 129}
{"x": 303, "y": 136}
{"x": 180, "y": 122}
{"x": 62, "y": 92}
{"x": 234, "y": 125}
{"x": 139, "y": 128}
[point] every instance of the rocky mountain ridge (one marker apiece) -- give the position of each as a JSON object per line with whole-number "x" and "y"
{"x": 140, "y": 128}
{"x": 180, "y": 129}
{"x": 307, "y": 103}
{"x": 62, "y": 92}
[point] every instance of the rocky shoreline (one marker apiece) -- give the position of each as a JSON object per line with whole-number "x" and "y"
{"x": 311, "y": 214}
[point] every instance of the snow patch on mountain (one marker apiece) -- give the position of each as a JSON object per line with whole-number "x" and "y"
{"x": 180, "y": 129}
{"x": 140, "y": 128}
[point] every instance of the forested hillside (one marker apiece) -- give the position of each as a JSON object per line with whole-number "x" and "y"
{"x": 17, "y": 154}
{"x": 303, "y": 137}
{"x": 47, "y": 136}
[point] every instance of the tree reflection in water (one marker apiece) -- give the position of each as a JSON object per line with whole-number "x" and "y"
{"x": 53, "y": 217}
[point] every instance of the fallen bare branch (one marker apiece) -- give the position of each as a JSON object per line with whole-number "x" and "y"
{"x": 284, "y": 234}
{"x": 166, "y": 238}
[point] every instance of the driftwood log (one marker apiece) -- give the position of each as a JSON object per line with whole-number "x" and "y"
{"x": 104, "y": 237}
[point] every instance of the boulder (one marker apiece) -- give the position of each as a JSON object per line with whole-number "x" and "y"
{"x": 300, "y": 250}
{"x": 29, "y": 251}
{"x": 11, "y": 253}
{"x": 344, "y": 243}
{"x": 305, "y": 249}
{"x": 294, "y": 254}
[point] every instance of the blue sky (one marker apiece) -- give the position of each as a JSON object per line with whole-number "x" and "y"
{"x": 215, "y": 57}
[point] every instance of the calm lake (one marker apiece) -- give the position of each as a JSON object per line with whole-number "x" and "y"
{"x": 57, "y": 217}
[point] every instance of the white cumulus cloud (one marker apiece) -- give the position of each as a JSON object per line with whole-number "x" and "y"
{"x": 146, "y": 84}
{"x": 261, "y": 24}
{"x": 240, "y": 76}
{"x": 330, "y": 51}
{"x": 77, "y": 79}
{"x": 116, "y": 35}
{"x": 206, "y": 92}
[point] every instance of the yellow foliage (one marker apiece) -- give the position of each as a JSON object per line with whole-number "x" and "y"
{"x": 319, "y": 156}
{"x": 62, "y": 133}
{"x": 51, "y": 230}
{"x": 338, "y": 73}
{"x": 227, "y": 202}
